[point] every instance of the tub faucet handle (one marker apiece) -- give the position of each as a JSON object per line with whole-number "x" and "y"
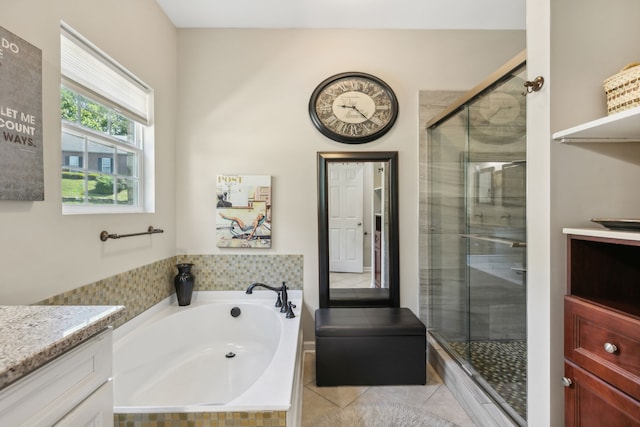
{"x": 290, "y": 314}
{"x": 279, "y": 300}
{"x": 285, "y": 298}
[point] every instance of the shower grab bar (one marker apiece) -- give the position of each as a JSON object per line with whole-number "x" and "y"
{"x": 104, "y": 235}
{"x": 511, "y": 243}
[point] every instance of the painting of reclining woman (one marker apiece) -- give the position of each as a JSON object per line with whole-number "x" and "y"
{"x": 243, "y": 217}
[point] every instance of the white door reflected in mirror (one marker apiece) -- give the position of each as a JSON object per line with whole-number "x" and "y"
{"x": 358, "y": 229}
{"x": 356, "y": 223}
{"x": 346, "y": 233}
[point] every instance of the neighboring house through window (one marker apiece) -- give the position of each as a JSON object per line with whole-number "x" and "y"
{"x": 73, "y": 161}
{"x": 105, "y": 164}
{"x": 107, "y": 149}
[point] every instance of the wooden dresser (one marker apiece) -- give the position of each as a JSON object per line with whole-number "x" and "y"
{"x": 602, "y": 328}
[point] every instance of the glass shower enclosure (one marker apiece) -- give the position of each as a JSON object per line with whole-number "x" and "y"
{"x": 477, "y": 237}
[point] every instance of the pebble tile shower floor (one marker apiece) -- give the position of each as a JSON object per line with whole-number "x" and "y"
{"x": 503, "y": 364}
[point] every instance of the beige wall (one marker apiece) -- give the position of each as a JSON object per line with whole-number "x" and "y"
{"x": 587, "y": 180}
{"x": 573, "y": 45}
{"x": 243, "y": 98}
{"x": 42, "y": 252}
{"x": 241, "y": 102}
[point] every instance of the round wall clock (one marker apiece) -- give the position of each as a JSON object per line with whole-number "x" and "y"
{"x": 353, "y": 107}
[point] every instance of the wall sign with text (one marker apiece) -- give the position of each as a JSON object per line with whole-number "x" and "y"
{"x": 21, "y": 163}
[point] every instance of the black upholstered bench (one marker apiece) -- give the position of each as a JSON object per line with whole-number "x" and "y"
{"x": 369, "y": 346}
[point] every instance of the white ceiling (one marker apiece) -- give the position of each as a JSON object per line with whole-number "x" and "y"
{"x": 359, "y": 14}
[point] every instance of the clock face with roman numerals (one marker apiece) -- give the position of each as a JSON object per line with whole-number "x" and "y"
{"x": 353, "y": 108}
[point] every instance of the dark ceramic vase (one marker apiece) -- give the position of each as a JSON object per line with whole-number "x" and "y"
{"x": 184, "y": 283}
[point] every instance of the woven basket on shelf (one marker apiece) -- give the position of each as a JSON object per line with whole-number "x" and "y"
{"x": 623, "y": 89}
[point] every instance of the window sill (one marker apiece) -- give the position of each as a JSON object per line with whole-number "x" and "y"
{"x": 101, "y": 210}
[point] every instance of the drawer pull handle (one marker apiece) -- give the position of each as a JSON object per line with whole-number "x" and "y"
{"x": 567, "y": 382}
{"x": 610, "y": 348}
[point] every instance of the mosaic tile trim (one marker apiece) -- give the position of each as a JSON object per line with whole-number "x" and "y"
{"x": 203, "y": 419}
{"x": 143, "y": 287}
{"x": 236, "y": 272}
{"x": 136, "y": 289}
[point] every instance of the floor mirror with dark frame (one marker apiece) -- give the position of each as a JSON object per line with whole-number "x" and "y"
{"x": 383, "y": 288}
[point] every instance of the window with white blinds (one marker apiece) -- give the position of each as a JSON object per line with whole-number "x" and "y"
{"x": 85, "y": 65}
{"x": 106, "y": 115}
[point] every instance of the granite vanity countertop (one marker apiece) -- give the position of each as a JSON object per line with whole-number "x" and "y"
{"x": 33, "y": 335}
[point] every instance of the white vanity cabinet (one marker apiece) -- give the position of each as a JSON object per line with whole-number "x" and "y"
{"x": 95, "y": 411}
{"x": 73, "y": 389}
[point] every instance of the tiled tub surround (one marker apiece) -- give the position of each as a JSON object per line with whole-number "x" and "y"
{"x": 203, "y": 419}
{"x": 143, "y": 287}
{"x": 188, "y": 377}
{"x": 38, "y": 334}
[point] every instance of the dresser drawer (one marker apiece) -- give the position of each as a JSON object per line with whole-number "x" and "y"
{"x": 604, "y": 342}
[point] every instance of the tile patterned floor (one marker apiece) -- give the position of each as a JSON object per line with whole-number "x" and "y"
{"x": 318, "y": 402}
{"x": 350, "y": 280}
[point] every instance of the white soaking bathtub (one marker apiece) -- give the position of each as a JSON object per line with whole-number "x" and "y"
{"x": 202, "y": 358}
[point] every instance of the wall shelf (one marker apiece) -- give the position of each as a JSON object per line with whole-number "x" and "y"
{"x": 619, "y": 127}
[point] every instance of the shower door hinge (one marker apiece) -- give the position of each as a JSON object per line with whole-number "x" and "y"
{"x": 533, "y": 85}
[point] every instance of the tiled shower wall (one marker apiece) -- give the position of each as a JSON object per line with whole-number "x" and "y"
{"x": 143, "y": 287}
{"x": 440, "y": 287}
{"x": 431, "y": 103}
{"x": 494, "y": 301}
